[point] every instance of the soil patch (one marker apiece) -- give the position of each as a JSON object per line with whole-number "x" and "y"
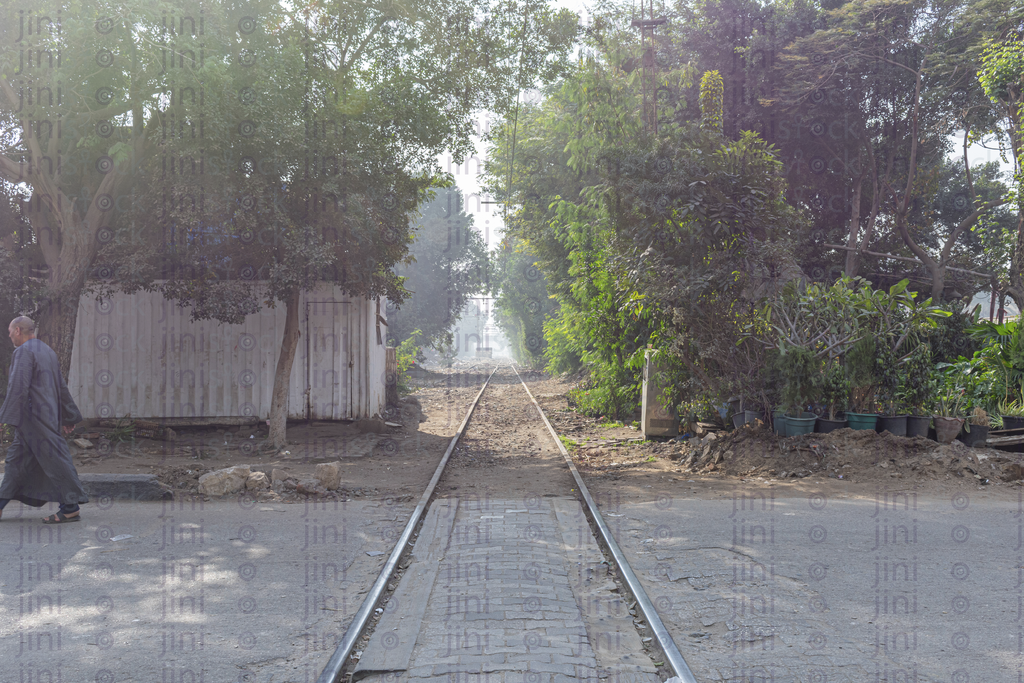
{"x": 395, "y": 462}
{"x": 616, "y": 460}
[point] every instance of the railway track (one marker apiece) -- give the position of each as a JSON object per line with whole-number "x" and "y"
{"x": 536, "y": 586}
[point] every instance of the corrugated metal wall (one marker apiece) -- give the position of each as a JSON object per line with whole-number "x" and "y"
{"x": 141, "y": 355}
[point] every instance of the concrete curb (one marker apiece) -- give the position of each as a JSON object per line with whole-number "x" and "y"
{"x": 130, "y": 487}
{"x": 123, "y": 487}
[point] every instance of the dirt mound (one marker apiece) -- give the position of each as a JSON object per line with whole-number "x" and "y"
{"x": 861, "y": 455}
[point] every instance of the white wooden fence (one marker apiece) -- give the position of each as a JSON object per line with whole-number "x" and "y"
{"x": 140, "y": 355}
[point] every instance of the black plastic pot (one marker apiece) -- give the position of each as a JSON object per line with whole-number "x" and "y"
{"x": 917, "y": 425}
{"x": 975, "y": 438}
{"x": 894, "y": 424}
{"x": 738, "y": 420}
{"x": 750, "y": 415}
{"x": 824, "y": 426}
{"x": 1013, "y": 422}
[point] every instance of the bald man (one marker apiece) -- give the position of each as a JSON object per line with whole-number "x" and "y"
{"x": 38, "y": 467}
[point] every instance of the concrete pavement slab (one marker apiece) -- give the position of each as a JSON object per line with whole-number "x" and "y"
{"x": 520, "y": 595}
{"x": 186, "y": 589}
{"x": 898, "y": 586}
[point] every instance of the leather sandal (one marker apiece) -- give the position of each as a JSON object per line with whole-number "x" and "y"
{"x": 61, "y": 518}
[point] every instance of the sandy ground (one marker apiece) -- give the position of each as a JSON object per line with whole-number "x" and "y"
{"x": 612, "y": 457}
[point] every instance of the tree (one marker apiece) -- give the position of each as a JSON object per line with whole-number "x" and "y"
{"x": 646, "y": 238}
{"x": 449, "y": 266}
{"x": 521, "y": 303}
{"x": 74, "y": 121}
{"x": 329, "y": 139}
{"x": 1002, "y": 76}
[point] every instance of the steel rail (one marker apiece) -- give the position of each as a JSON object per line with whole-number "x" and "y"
{"x": 337, "y": 661}
{"x": 658, "y": 630}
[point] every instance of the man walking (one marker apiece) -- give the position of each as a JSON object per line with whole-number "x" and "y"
{"x": 38, "y": 467}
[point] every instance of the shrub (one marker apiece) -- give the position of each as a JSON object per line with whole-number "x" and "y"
{"x": 407, "y": 354}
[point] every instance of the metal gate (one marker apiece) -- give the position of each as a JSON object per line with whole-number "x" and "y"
{"x": 328, "y": 361}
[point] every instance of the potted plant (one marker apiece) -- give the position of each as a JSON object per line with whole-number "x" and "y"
{"x": 1012, "y": 414}
{"x": 899, "y": 319}
{"x": 947, "y": 420}
{"x": 887, "y": 372}
{"x": 801, "y": 370}
{"x": 917, "y": 386}
{"x": 834, "y": 393}
{"x": 975, "y": 429}
{"x": 815, "y": 322}
{"x": 860, "y": 368}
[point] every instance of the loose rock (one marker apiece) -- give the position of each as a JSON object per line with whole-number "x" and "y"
{"x": 257, "y": 481}
{"x": 329, "y": 475}
{"x": 224, "y": 482}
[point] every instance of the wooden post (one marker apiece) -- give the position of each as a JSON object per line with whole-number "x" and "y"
{"x": 391, "y": 375}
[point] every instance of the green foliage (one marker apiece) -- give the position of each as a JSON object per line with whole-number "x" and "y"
{"x": 122, "y": 431}
{"x": 1002, "y": 73}
{"x": 642, "y": 240}
{"x": 860, "y": 368}
{"x": 916, "y": 386}
{"x": 970, "y": 383}
{"x": 448, "y": 265}
{"x": 712, "y": 91}
{"x": 1002, "y": 77}
{"x": 803, "y": 377}
{"x": 950, "y": 405}
{"x": 407, "y": 353}
{"x": 521, "y": 303}
{"x": 603, "y": 394}
{"x": 888, "y": 374}
{"x": 1013, "y": 408}
{"x": 952, "y": 336}
{"x": 835, "y": 389}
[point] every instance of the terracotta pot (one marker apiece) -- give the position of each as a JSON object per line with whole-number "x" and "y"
{"x": 946, "y": 428}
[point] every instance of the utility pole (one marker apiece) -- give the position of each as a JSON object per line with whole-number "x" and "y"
{"x": 648, "y": 79}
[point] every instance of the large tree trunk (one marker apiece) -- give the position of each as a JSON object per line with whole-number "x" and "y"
{"x": 853, "y": 256}
{"x": 55, "y": 323}
{"x": 938, "y": 273}
{"x": 282, "y": 377}
{"x": 69, "y": 264}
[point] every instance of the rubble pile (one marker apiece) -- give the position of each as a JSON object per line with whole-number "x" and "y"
{"x": 845, "y": 454}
